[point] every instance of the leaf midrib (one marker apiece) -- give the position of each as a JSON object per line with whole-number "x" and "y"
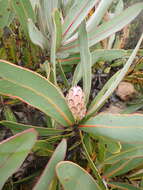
{"x": 48, "y": 99}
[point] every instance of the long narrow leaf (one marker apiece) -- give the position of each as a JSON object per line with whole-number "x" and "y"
{"x": 85, "y": 58}
{"x": 13, "y": 152}
{"x": 107, "y": 29}
{"x": 18, "y": 127}
{"x": 34, "y": 90}
{"x": 24, "y": 11}
{"x": 53, "y": 50}
{"x": 122, "y": 167}
{"x": 41, "y": 17}
{"x": 34, "y": 3}
{"x": 119, "y": 8}
{"x": 5, "y": 13}
{"x": 125, "y": 128}
{"x": 97, "y": 16}
{"x": 58, "y": 25}
{"x": 48, "y": 8}
{"x": 36, "y": 36}
{"x": 122, "y": 186}
{"x": 71, "y": 60}
{"x": 101, "y": 54}
{"x": 49, "y": 171}
{"x": 76, "y": 15}
{"x": 67, "y": 5}
{"x": 93, "y": 167}
{"x": 99, "y": 100}
{"x": 115, "y": 24}
{"x": 128, "y": 151}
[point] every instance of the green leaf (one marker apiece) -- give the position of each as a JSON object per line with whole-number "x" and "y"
{"x": 106, "y": 29}
{"x": 89, "y": 143}
{"x": 34, "y": 3}
{"x": 141, "y": 184}
{"x": 97, "y": 16}
{"x": 76, "y": 15}
{"x": 36, "y": 36}
{"x": 47, "y": 9}
{"x": 9, "y": 115}
{"x": 73, "y": 176}
{"x": 70, "y": 60}
{"x": 85, "y": 58}
{"x": 41, "y": 17}
{"x": 128, "y": 151}
{"x": 63, "y": 76}
{"x": 49, "y": 171}
{"x": 35, "y": 90}
{"x": 136, "y": 175}
{"x": 125, "y": 128}
{"x": 58, "y": 25}
{"x": 122, "y": 186}
{"x": 103, "y": 91}
{"x": 113, "y": 147}
{"x": 108, "y": 55}
{"x": 121, "y": 167}
{"x": 56, "y": 40}
{"x": 6, "y": 15}
{"x": 46, "y": 67}
{"x": 98, "y": 55}
{"x": 117, "y": 23}
{"x": 66, "y": 5}
{"x": 106, "y": 147}
{"x": 18, "y": 127}
{"x": 132, "y": 108}
{"x": 43, "y": 148}
{"x": 24, "y": 11}
{"x": 112, "y": 84}
{"x": 13, "y": 152}
{"x": 119, "y": 8}
{"x": 92, "y": 166}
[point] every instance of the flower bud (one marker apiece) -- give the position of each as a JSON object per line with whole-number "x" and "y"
{"x": 76, "y": 102}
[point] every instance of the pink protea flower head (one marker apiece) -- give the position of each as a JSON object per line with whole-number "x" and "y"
{"x": 76, "y": 102}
